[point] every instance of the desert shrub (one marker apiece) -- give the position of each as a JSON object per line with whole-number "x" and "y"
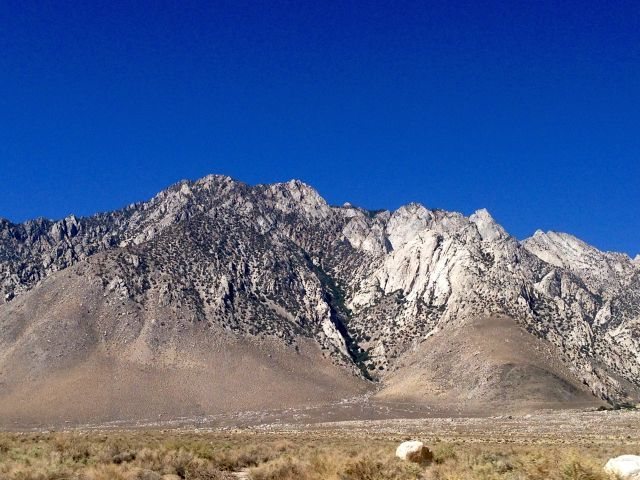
{"x": 71, "y": 448}
{"x": 106, "y": 472}
{"x": 497, "y": 462}
{"x": 241, "y": 456}
{"x": 368, "y": 468}
{"x": 284, "y": 468}
{"x": 199, "y": 469}
{"x": 443, "y": 452}
{"x": 363, "y": 469}
{"x": 5, "y": 446}
{"x": 177, "y": 462}
{"x": 576, "y": 469}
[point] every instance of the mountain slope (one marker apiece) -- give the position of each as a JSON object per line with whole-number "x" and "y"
{"x": 87, "y": 346}
{"x": 485, "y": 361}
{"x": 213, "y": 285}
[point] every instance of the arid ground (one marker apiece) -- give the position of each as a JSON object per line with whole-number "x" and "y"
{"x": 546, "y": 445}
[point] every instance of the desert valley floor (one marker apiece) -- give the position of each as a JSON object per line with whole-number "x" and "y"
{"x": 566, "y": 444}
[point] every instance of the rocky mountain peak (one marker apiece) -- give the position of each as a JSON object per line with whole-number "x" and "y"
{"x": 276, "y": 263}
{"x": 407, "y": 222}
{"x": 488, "y": 228}
{"x": 296, "y": 196}
{"x": 215, "y": 179}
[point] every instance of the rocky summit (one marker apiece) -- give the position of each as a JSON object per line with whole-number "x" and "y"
{"x": 217, "y": 296}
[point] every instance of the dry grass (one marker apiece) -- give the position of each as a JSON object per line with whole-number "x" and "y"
{"x": 150, "y": 455}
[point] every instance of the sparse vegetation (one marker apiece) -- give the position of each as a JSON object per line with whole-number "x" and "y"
{"x": 156, "y": 455}
{"x": 618, "y": 406}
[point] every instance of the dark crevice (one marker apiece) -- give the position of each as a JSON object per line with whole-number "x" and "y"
{"x": 340, "y": 314}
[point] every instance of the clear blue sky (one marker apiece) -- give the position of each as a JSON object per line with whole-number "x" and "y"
{"x": 530, "y": 109}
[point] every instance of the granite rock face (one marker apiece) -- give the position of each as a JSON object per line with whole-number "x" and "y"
{"x": 277, "y": 262}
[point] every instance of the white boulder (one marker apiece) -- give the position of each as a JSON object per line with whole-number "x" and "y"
{"x": 414, "y": 451}
{"x": 625, "y": 467}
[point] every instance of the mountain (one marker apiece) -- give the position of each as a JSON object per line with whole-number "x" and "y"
{"x": 217, "y": 296}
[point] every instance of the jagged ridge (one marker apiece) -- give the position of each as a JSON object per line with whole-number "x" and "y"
{"x": 276, "y": 261}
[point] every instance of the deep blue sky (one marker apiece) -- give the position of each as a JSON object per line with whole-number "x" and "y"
{"x": 530, "y": 109}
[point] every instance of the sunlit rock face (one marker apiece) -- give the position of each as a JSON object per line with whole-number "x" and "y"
{"x": 367, "y": 286}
